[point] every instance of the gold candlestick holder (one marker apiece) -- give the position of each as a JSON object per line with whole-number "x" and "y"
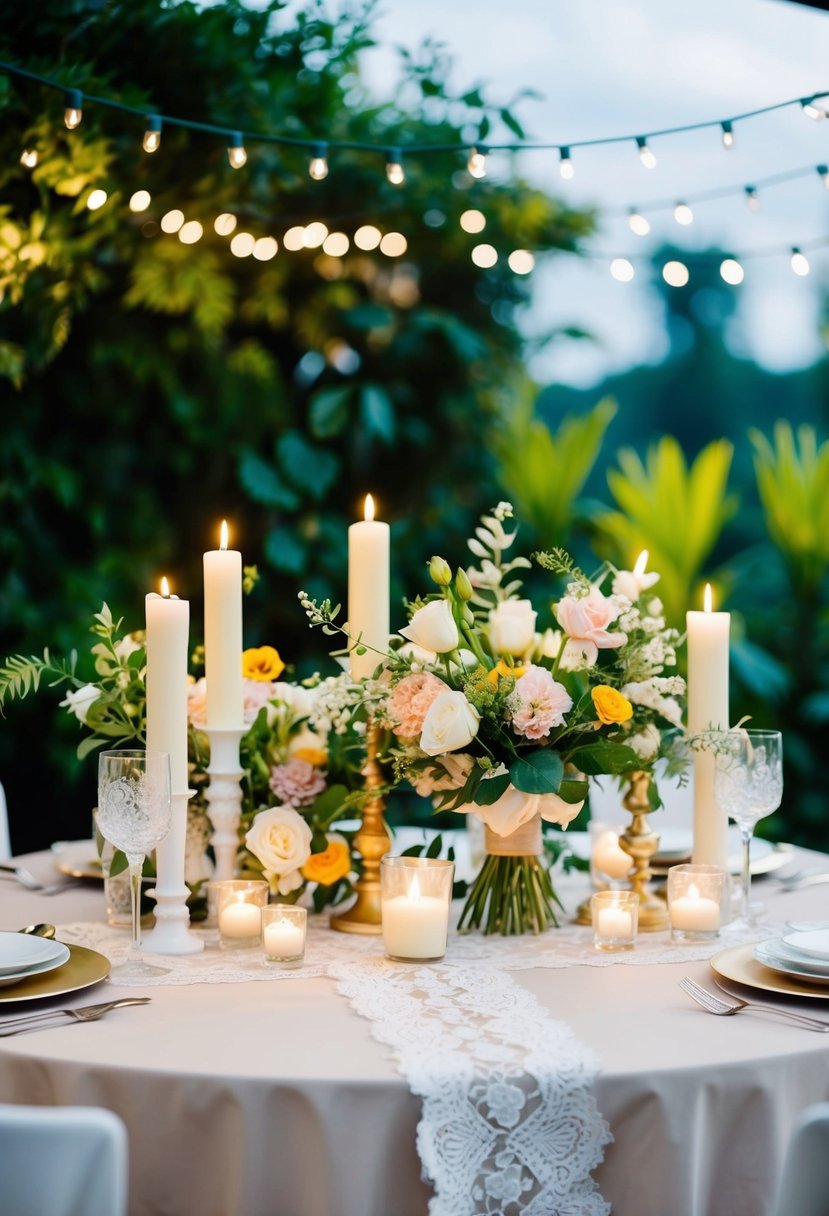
{"x": 372, "y": 842}
{"x": 641, "y": 842}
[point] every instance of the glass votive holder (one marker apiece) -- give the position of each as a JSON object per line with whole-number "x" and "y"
{"x": 283, "y": 934}
{"x": 415, "y": 893}
{"x": 695, "y": 902}
{"x": 615, "y": 916}
{"x": 239, "y": 903}
{"x": 610, "y": 865}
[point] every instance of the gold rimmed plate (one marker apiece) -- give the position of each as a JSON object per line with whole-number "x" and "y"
{"x": 77, "y": 859}
{"x": 739, "y": 965}
{"x": 83, "y": 968}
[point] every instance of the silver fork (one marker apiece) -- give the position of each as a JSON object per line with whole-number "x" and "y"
{"x": 714, "y": 1004}
{"x": 85, "y": 1013}
{"x": 28, "y": 880}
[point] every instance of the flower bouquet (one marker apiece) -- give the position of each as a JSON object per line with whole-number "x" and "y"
{"x": 489, "y": 716}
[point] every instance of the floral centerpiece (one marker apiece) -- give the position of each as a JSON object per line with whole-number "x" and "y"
{"x": 300, "y": 752}
{"x": 488, "y": 715}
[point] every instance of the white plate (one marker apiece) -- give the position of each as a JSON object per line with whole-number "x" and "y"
{"x": 814, "y": 943}
{"x": 766, "y": 954}
{"x": 20, "y": 951}
{"x": 57, "y": 960}
{"x": 77, "y": 858}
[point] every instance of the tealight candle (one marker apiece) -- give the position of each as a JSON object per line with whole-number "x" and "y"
{"x": 239, "y": 904}
{"x": 694, "y": 901}
{"x": 615, "y": 916}
{"x": 416, "y": 892}
{"x": 239, "y": 920}
{"x": 283, "y": 934}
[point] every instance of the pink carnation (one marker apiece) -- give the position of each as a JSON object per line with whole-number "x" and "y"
{"x": 410, "y": 702}
{"x": 538, "y": 703}
{"x": 296, "y": 782}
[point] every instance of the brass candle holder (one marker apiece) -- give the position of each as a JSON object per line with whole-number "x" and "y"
{"x": 372, "y": 842}
{"x": 641, "y": 842}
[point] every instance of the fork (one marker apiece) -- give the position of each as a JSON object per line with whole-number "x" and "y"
{"x": 28, "y": 880}
{"x": 85, "y": 1013}
{"x": 714, "y": 1004}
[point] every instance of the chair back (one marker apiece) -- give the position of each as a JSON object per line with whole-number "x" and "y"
{"x": 804, "y": 1184}
{"x": 62, "y": 1160}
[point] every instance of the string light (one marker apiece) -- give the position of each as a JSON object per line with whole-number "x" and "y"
{"x": 242, "y": 245}
{"x": 646, "y": 154}
{"x": 265, "y": 248}
{"x": 484, "y": 256}
{"x": 73, "y": 114}
{"x": 394, "y": 167}
{"x": 314, "y": 235}
{"x": 225, "y": 224}
{"x": 368, "y": 237}
{"x": 675, "y": 274}
{"x": 799, "y": 262}
{"x": 190, "y": 232}
{"x": 336, "y": 244}
{"x": 393, "y": 244}
{"x": 521, "y": 261}
{"x": 140, "y": 201}
{"x": 29, "y": 158}
{"x": 294, "y": 238}
{"x": 152, "y": 135}
{"x": 96, "y": 199}
{"x": 473, "y": 221}
{"x": 318, "y": 168}
{"x": 823, "y": 174}
{"x": 476, "y": 165}
{"x": 236, "y": 154}
{"x": 731, "y": 271}
{"x": 816, "y": 113}
{"x": 638, "y": 224}
{"x": 565, "y": 164}
{"x": 752, "y": 198}
{"x": 683, "y": 214}
{"x": 172, "y": 221}
{"x": 622, "y": 270}
{"x": 727, "y": 135}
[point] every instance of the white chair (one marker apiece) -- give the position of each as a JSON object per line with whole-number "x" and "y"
{"x": 64, "y": 1160}
{"x": 5, "y": 841}
{"x": 804, "y": 1184}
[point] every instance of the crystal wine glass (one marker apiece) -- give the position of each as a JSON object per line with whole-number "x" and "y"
{"x": 134, "y": 815}
{"x": 748, "y": 785}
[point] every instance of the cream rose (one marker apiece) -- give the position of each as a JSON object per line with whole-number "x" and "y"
{"x": 456, "y": 769}
{"x": 512, "y": 627}
{"x": 281, "y": 839}
{"x": 433, "y": 627}
{"x": 450, "y": 723}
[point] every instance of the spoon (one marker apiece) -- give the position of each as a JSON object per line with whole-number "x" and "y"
{"x": 39, "y": 930}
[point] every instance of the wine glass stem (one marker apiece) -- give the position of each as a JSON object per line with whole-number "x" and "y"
{"x": 135, "y": 907}
{"x": 746, "y": 834}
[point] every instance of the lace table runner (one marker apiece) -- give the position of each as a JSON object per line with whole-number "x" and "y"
{"x": 509, "y": 1123}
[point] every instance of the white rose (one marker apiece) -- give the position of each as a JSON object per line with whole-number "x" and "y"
{"x": 433, "y": 627}
{"x": 450, "y": 723}
{"x": 79, "y": 700}
{"x": 281, "y": 839}
{"x": 512, "y": 627}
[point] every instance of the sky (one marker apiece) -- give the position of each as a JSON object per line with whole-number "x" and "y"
{"x": 617, "y": 67}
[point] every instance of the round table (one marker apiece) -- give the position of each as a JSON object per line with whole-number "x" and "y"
{"x": 250, "y": 1099}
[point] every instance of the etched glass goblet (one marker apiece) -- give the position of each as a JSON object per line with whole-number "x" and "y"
{"x": 748, "y": 785}
{"x": 133, "y": 814}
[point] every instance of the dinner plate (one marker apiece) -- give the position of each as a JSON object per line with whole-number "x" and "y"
{"x": 738, "y": 964}
{"x": 765, "y": 953}
{"x": 19, "y": 951}
{"x": 57, "y": 960}
{"x": 77, "y": 858}
{"x": 814, "y": 943}
{"x": 83, "y": 969}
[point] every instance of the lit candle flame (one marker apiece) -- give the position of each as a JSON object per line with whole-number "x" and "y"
{"x": 369, "y": 508}
{"x": 641, "y": 562}
{"x": 165, "y": 588}
{"x": 414, "y": 890}
{"x": 223, "y": 535}
{"x": 707, "y": 602}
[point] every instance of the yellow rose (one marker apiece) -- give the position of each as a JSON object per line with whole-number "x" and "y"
{"x": 610, "y": 705}
{"x": 503, "y": 668}
{"x": 262, "y": 663}
{"x": 330, "y": 865}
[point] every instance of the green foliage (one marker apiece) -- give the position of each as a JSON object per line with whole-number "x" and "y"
{"x": 793, "y": 483}
{"x": 674, "y": 510}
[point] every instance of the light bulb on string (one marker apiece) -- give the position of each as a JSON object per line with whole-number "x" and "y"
{"x": 675, "y": 274}
{"x": 622, "y": 270}
{"x": 823, "y": 174}
{"x": 683, "y": 214}
{"x": 731, "y": 271}
{"x": 476, "y": 165}
{"x": 816, "y": 113}
{"x": 152, "y": 134}
{"x": 638, "y": 224}
{"x": 73, "y": 113}
{"x": 236, "y": 154}
{"x": 752, "y": 198}
{"x": 646, "y": 154}
{"x": 727, "y": 135}
{"x": 799, "y": 262}
{"x": 565, "y": 164}
{"x": 318, "y": 168}
{"x": 29, "y": 158}
{"x": 394, "y": 167}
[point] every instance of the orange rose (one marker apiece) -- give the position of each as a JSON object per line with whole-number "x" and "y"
{"x": 262, "y": 663}
{"x": 330, "y": 865}
{"x": 611, "y": 706}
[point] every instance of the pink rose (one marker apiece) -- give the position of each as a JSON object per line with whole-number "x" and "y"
{"x": 585, "y": 621}
{"x": 410, "y": 702}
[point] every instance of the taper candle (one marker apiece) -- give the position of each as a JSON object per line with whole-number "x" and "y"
{"x": 223, "y": 635}
{"x": 168, "y": 627}
{"x": 708, "y": 640}
{"x": 368, "y": 591}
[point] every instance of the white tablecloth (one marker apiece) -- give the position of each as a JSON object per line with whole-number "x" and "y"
{"x": 260, "y": 1099}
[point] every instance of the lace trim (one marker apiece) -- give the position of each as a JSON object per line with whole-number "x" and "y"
{"x": 509, "y": 1122}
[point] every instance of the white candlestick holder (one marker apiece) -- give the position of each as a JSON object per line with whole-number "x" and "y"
{"x": 172, "y": 934}
{"x": 224, "y": 797}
